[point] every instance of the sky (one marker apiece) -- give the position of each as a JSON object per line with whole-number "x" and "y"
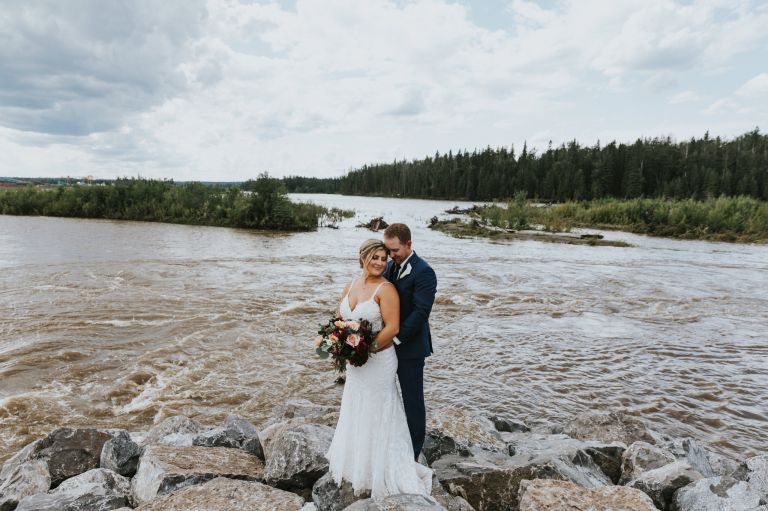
{"x": 223, "y": 90}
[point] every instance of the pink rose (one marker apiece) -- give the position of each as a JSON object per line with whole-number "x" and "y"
{"x": 353, "y": 340}
{"x": 339, "y": 323}
{"x": 333, "y": 339}
{"x": 354, "y": 325}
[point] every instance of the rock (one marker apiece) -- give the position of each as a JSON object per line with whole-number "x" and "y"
{"x": 178, "y": 430}
{"x": 375, "y": 224}
{"x": 641, "y": 457}
{"x": 307, "y": 411}
{"x": 95, "y": 490}
{"x": 509, "y": 425}
{"x": 608, "y": 427}
{"x": 247, "y": 434}
{"x": 606, "y": 456}
{"x": 216, "y": 437}
{"x": 309, "y": 506}
{"x": 222, "y": 494}
{"x": 488, "y": 480}
{"x": 67, "y": 451}
{"x": 296, "y": 459}
{"x": 329, "y": 497}
{"x": 717, "y": 494}
{"x": 164, "y": 468}
{"x": 550, "y": 495}
{"x": 437, "y": 445}
{"x": 402, "y": 502}
{"x": 26, "y": 479}
{"x": 661, "y": 483}
{"x": 755, "y": 472}
{"x": 448, "y": 501}
{"x": 120, "y": 454}
{"x": 454, "y": 430}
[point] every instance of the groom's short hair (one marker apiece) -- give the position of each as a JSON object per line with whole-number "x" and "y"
{"x": 399, "y": 231}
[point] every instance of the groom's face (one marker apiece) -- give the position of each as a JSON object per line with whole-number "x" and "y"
{"x": 398, "y": 251}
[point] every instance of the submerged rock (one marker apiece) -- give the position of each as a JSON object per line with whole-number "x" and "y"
{"x": 551, "y": 495}
{"x": 164, "y": 468}
{"x": 222, "y": 494}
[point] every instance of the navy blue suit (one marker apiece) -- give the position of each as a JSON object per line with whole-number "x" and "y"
{"x": 417, "y": 289}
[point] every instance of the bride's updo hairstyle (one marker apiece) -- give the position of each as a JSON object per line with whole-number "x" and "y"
{"x": 368, "y": 248}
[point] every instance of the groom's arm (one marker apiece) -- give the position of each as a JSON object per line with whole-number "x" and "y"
{"x": 423, "y": 298}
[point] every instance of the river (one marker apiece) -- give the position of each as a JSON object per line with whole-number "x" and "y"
{"x": 123, "y": 324}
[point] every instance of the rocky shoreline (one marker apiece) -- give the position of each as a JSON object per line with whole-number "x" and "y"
{"x": 609, "y": 461}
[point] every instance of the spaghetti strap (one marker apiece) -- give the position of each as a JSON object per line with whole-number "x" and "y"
{"x": 377, "y": 290}
{"x": 350, "y": 288}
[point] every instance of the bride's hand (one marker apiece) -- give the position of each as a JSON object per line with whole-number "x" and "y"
{"x": 378, "y": 348}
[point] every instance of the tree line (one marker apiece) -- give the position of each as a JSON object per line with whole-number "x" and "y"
{"x": 264, "y": 205}
{"x": 650, "y": 168}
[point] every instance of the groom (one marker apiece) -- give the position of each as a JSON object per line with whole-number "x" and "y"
{"x": 416, "y": 284}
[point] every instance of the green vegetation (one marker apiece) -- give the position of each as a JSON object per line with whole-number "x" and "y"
{"x": 651, "y": 168}
{"x": 264, "y": 206}
{"x": 724, "y": 219}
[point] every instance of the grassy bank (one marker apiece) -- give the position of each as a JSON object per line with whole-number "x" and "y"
{"x": 739, "y": 219}
{"x": 266, "y": 206}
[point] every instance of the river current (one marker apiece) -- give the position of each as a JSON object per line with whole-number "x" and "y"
{"x": 123, "y": 324}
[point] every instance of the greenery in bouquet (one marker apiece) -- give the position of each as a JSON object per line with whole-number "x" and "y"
{"x": 345, "y": 340}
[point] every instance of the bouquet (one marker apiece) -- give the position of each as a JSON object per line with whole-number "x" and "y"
{"x": 345, "y": 340}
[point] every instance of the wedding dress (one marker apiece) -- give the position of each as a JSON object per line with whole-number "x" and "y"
{"x": 371, "y": 447}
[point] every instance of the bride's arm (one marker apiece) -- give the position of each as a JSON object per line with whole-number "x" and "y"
{"x": 389, "y": 302}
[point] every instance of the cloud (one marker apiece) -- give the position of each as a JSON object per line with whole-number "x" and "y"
{"x": 81, "y": 67}
{"x": 687, "y": 96}
{"x": 757, "y": 87}
{"x": 226, "y": 88}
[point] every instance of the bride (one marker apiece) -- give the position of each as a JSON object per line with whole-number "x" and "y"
{"x": 371, "y": 447}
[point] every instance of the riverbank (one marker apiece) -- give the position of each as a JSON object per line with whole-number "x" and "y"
{"x": 608, "y": 460}
{"x": 264, "y": 206}
{"x": 731, "y": 219}
{"x": 462, "y": 229}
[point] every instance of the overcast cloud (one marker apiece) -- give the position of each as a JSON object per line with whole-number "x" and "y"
{"x": 225, "y": 89}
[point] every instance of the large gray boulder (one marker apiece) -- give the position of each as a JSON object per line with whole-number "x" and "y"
{"x": 448, "y": 501}
{"x": 755, "y": 472}
{"x": 164, "y": 468}
{"x": 717, "y": 494}
{"x": 95, "y": 490}
{"x": 608, "y": 427}
{"x": 489, "y": 481}
{"x": 661, "y": 483}
{"x": 303, "y": 409}
{"x": 327, "y": 496}
{"x": 223, "y": 494}
{"x": 179, "y": 431}
{"x": 23, "y": 480}
{"x": 236, "y": 433}
{"x": 454, "y": 430}
{"x": 402, "y": 502}
{"x": 641, "y": 457}
{"x": 551, "y": 495}
{"x": 296, "y": 458}
{"x": 67, "y": 452}
{"x": 121, "y": 454}
{"x": 607, "y": 456}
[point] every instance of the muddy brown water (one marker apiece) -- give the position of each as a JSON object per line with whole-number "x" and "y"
{"x": 123, "y": 324}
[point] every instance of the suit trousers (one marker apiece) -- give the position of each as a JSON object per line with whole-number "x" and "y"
{"x": 410, "y": 373}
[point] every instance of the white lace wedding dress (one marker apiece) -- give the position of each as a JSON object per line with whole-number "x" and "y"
{"x": 372, "y": 446}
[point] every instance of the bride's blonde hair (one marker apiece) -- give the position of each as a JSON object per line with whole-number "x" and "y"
{"x": 368, "y": 248}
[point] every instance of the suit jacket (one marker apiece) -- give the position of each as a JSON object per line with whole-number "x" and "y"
{"x": 417, "y": 294}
